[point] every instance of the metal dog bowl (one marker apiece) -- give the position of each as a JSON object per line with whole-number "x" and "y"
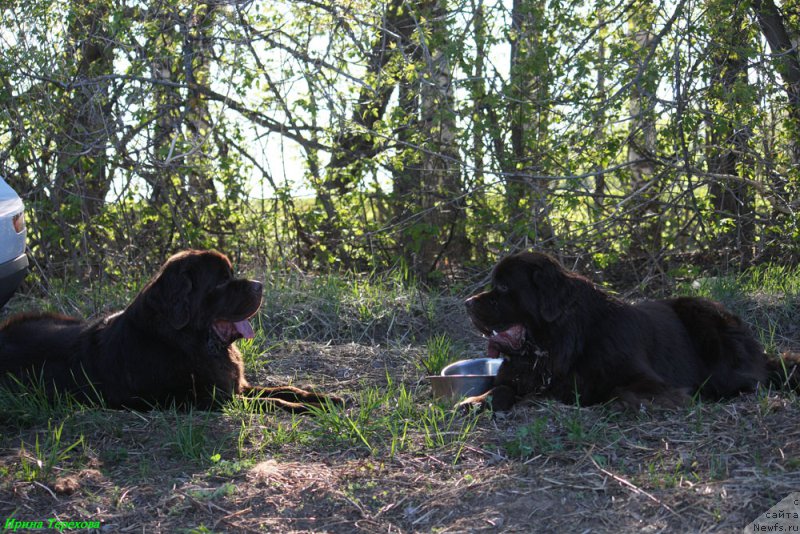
{"x": 465, "y": 378}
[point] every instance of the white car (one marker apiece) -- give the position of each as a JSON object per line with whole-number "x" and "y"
{"x": 13, "y": 261}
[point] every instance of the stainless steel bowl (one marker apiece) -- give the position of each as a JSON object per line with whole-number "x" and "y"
{"x": 465, "y": 378}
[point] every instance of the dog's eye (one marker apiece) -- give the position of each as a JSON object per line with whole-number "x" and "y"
{"x": 502, "y": 288}
{"x": 222, "y": 284}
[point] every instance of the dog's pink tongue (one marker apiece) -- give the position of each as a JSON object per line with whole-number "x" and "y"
{"x": 244, "y": 328}
{"x": 509, "y": 339}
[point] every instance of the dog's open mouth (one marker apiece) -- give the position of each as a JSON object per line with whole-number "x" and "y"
{"x": 510, "y": 339}
{"x": 230, "y": 331}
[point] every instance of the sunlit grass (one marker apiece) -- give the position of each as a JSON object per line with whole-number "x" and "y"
{"x": 392, "y": 419}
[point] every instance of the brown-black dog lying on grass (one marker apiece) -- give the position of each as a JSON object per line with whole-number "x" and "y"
{"x": 172, "y": 345}
{"x": 565, "y": 339}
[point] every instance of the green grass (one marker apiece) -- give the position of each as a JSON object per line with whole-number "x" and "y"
{"x": 561, "y": 429}
{"x": 25, "y": 404}
{"x": 228, "y": 468}
{"x": 778, "y": 280}
{"x": 255, "y": 351}
{"x": 191, "y": 437}
{"x": 382, "y": 421}
{"x": 212, "y": 494}
{"x": 389, "y": 420}
{"x": 38, "y": 462}
{"x": 336, "y": 307}
{"x": 439, "y": 352}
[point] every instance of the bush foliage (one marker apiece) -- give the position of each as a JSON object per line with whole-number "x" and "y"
{"x": 430, "y": 135}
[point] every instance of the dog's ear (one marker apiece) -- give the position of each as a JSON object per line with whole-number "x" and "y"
{"x": 180, "y": 307}
{"x": 170, "y": 295}
{"x": 553, "y": 291}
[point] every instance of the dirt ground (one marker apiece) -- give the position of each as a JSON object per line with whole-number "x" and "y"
{"x": 544, "y": 467}
{"x": 710, "y": 468}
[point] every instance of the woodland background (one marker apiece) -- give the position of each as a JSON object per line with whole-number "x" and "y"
{"x": 369, "y": 161}
{"x": 432, "y": 135}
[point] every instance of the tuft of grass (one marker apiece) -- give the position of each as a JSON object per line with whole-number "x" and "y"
{"x": 190, "y": 434}
{"x": 771, "y": 278}
{"x": 38, "y": 463}
{"x": 438, "y": 353}
{"x": 202, "y": 529}
{"x": 533, "y": 438}
{"x": 228, "y": 468}
{"x": 212, "y": 494}
{"x": 255, "y": 350}
{"x": 442, "y": 427}
{"x": 768, "y": 335}
{"x": 26, "y": 404}
{"x": 279, "y": 433}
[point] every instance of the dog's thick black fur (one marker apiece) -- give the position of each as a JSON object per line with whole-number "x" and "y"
{"x": 564, "y": 338}
{"x": 173, "y": 345}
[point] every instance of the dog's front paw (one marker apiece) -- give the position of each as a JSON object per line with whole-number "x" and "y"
{"x": 497, "y": 399}
{"x": 475, "y": 404}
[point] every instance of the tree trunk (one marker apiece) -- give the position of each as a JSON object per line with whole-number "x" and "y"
{"x": 441, "y": 191}
{"x": 644, "y": 216}
{"x": 81, "y": 181}
{"x": 427, "y": 182}
{"x": 727, "y": 135}
{"x": 196, "y": 54}
{"x": 478, "y": 148}
{"x": 357, "y": 144}
{"x": 526, "y": 191}
{"x": 773, "y": 26}
{"x": 599, "y": 123}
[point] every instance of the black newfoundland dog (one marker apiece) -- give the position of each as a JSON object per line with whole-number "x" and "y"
{"x": 564, "y": 338}
{"x": 172, "y": 345}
